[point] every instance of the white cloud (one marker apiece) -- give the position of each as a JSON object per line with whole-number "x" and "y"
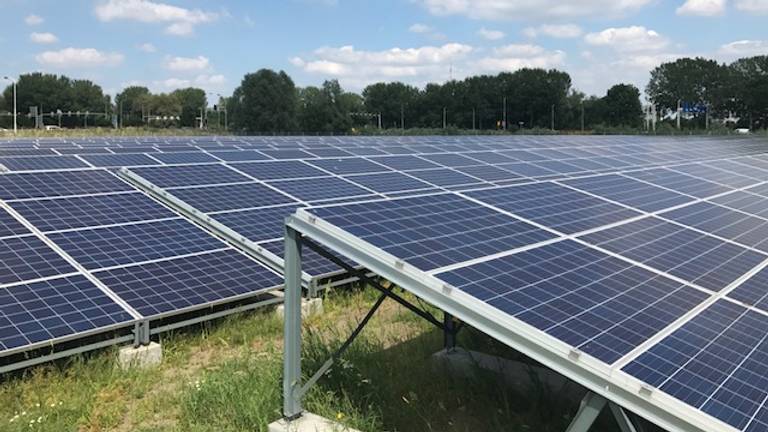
{"x": 33, "y": 20}
{"x": 147, "y": 47}
{"x": 420, "y": 28}
{"x": 79, "y": 57}
{"x": 559, "y": 31}
{"x": 628, "y": 39}
{"x": 753, "y": 6}
{"x": 743, "y": 48}
{"x": 517, "y": 50}
{"x": 206, "y": 82}
{"x": 702, "y": 7}
{"x": 43, "y": 38}
{"x": 357, "y": 68}
{"x": 180, "y": 21}
{"x": 187, "y": 64}
{"x": 517, "y": 56}
{"x": 490, "y": 34}
{"x": 532, "y": 9}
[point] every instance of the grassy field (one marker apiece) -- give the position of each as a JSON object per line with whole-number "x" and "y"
{"x": 226, "y": 377}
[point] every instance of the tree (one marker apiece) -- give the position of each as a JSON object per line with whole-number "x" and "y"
{"x": 621, "y": 106}
{"x": 750, "y": 89}
{"x": 192, "y": 100}
{"x": 693, "y": 80}
{"x": 395, "y": 101}
{"x": 265, "y": 101}
{"x": 131, "y": 103}
{"x": 166, "y": 106}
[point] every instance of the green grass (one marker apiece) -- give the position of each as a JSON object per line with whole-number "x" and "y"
{"x": 226, "y": 377}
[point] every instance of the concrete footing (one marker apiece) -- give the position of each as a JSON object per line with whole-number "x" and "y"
{"x": 145, "y": 356}
{"x": 308, "y": 422}
{"x": 309, "y": 307}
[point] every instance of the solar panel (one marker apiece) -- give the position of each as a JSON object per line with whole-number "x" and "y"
{"x": 79, "y": 212}
{"x": 127, "y": 244}
{"x": 258, "y": 224}
{"x": 9, "y": 226}
{"x": 28, "y": 258}
{"x": 42, "y": 163}
{"x": 230, "y": 197}
{"x": 287, "y": 154}
{"x": 680, "y": 182}
{"x": 190, "y": 175}
{"x": 690, "y": 255}
{"x": 240, "y": 155}
{"x": 389, "y": 182}
{"x": 348, "y": 166}
{"x": 63, "y": 183}
{"x": 451, "y": 160}
{"x": 433, "y": 231}
{"x": 555, "y": 206}
{"x": 279, "y": 170}
{"x": 444, "y": 177}
{"x": 630, "y": 192}
{"x": 183, "y": 283}
{"x": 184, "y": 158}
{"x": 320, "y": 188}
{"x": 119, "y": 160}
{"x": 404, "y": 163}
{"x": 489, "y": 173}
{"x": 45, "y": 310}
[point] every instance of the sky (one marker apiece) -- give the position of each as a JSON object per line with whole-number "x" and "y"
{"x": 169, "y": 44}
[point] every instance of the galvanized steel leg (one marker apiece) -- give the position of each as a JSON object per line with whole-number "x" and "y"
{"x": 292, "y": 304}
{"x": 623, "y": 420}
{"x": 590, "y": 408}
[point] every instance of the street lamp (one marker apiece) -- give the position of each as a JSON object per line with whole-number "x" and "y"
{"x": 15, "y": 112}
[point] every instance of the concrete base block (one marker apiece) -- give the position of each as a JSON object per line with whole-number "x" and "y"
{"x": 308, "y": 422}
{"x": 142, "y": 357}
{"x": 310, "y": 307}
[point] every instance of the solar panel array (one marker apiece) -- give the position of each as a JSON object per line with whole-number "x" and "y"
{"x": 647, "y": 254}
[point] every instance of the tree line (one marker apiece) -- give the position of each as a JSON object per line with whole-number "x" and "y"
{"x": 269, "y": 102}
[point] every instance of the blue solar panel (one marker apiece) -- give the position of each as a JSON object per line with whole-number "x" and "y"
{"x": 389, "y": 182}
{"x": 287, "y": 154}
{"x": 753, "y": 291}
{"x": 187, "y": 282}
{"x": 9, "y": 226}
{"x": 49, "y": 184}
{"x": 127, "y": 244}
{"x": 321, "y": 188}
{"x": 433, "y": 231}
{"x": 46, "y": 310}
{"x": 715, "y": 362}
{"x": 184, "y": 158}
{"x": 348, "y": 166}
{"x": 28, "y": 258}
{"x": 78, "y": 212}
{"x": 328, "y": 152}
{"x": 712, "y": 173}
{"x": 312, "y": 263}
{"x": 451, "y": 160}
{"x": 404, "y": 163}
{"x": 230, "y": 197}
{"x": 527, "y": 169}
{"x": 687, "y": 254}
{"x": 191, "y": 175}
{"x": 445, "y": 177}
{"x": 490, "y": 157}
{"x": 489, "y": 173}
{"x": 555, "y": 206}
{"x": 733, "y": 225}
{"x": 279, "y": 170}
{"x": 679, "y": 182}
{"x": 630, "y": 192}
{"x": 560, "y": 167}
{"x": 121, "y": 160}
{"x": 240, "y": 155}
{"x": 42, "y": 163}
{"x": 599, "y": 304}
{"x": 259, "y": 224}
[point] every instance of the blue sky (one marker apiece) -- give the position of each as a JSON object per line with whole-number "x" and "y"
{"x": 166, "y": 44}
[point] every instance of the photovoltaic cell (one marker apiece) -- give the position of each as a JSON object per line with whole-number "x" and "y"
{"x": 433, "y": 231}
{"x": 187, "y": 282}
{"x": 527, "y": 169}
{"x": 389, "y": 182}
{"x": 312, "y": 263}
{"x": 279, "y": 170}
{"x": 9, "y": 226}
{"x": 259, "y": 224}
{"x": 120, "y": 160}
{"x": 230, "y": 197}
{"x": 240, "y": 155}
{"x": 489, "y": 173}
{"x": 190, "y": 175}
{"x": 451, "y": 160}
{"x": 404, "y": 163}
{"x": 679, "y": 182}
{"x": 630, "y": 192}
{"x": 744, "y": 201}
{"x": 79, "y": 212}
{"x": 715, "y": 363}
{"x": 127, "y": 244}
{"x": 42, "y": 163}
{"x": 712, "y": 173}
{"x": 444, "y": 177}
{"x": 46, "y": 310}
{"x": 49, "y": 184}
{"x": 348, "y": 166}
{"x": 321, "y": 188}
{"x": 555, "y": 206}
{"x": 687, "y": 254}
{"x": 753, "y": 291}
{"x": 184, "y": 158}
{"x": 287, "y": 154}
{"x": 601, "y": 305}
{"x": 28, "y": 258}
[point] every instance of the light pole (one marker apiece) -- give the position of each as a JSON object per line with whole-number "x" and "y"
{"x": 15, "y": 111}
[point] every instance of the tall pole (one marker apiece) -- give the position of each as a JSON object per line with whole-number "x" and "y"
{"x": 582, "y": 116}
{"x": 402, "y": 117}
{"x": 15, "y": 111}
{"x": 552, "y": 118}
{"x": 504, "y": 114}
{"x": 679, "y": 111}
{"x": 445, "y": 114}
{"x": 473, "y": 119}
